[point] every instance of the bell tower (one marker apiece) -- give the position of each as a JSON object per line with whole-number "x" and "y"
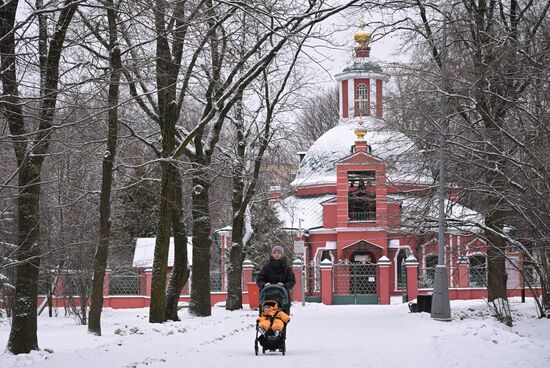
{"x": 361, "y": 83}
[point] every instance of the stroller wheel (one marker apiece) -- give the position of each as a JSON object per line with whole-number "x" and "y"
{"x": 263, "y": 350}
{"x": 283, "y": 350}
{"x": 256, "y": 349}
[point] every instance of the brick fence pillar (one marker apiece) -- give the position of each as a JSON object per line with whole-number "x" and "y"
{"x": 249, "y": 285}
{"x": 297, "y": 267}
{"x": 383, "y": 265}
{"x": 106, "y": 281}
{"x": 59, "y": 290}
{"x": 326, "y": 281}
{"x": 148, "y": 281}
{"x": 412, "y": 277}
{"x": 248, "y": 268}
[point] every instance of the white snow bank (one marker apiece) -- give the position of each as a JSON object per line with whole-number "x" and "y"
{"x": 318, "y": 336}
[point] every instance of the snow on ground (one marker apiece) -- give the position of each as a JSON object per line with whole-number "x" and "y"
{"x": 318, "y": 336}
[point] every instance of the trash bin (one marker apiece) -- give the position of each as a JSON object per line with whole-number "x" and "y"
{"x": 424, "y": 303}
{"x": 253, "y": 295}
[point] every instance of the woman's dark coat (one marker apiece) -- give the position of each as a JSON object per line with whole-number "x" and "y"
{"x": 276, "y": 271}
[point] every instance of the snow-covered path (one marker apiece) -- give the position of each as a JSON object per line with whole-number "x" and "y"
{"x": 382, "y": 336}
{"x": 318, "y": 336}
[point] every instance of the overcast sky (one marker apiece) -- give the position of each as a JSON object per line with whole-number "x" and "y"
{"x": 332, "y": 58}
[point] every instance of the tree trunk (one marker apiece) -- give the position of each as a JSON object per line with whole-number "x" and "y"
{"x": 496, "y": 268}
{"x": 23, "y": 336}
{"x": 83, "y": 299}
{"x": 496, "y": 260}
{"x": 236, "y": 256}
{"x": 102, "y": 251}
{"x": 235, "y": 274}
{"x": 30, "y": 156}
{"x": 180, "y": 273}
{"x": 166, "y": 76}
{"x": 50, "y": 302}
{"x": 545, "y": 279}
{"x": 157, "y": 309}
{"x": 200, "y": 275}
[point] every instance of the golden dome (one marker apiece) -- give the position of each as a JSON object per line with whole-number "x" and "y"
{"x": 362, "y": 37}
{"x": 360, "y": 131}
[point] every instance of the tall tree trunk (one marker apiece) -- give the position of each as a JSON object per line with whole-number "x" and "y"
{"x": 545, "y": 278}
{"x": 102, "y": 251}
{"x": 236, "y": 254}
{"x": 157, "y": 309}
{"x": 23, "y": 337}
{"x": 235, "y": 272}
{"x": 30, "y": 156}
{"x": 200, "y": 273}
{"x": 83, "y": 299}
{"x": 496, "y": 259}
{"x": 180, "y": 272}
{"x": 496, "y": 267}
{"x": 168, "y": 113}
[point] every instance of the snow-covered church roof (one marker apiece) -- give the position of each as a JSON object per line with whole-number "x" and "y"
{"x": 416, "y": 211}
{"x": 399, "y": 152}
{"x": 302, "y": 212}
{"x": 424, "y": 211}
{"x": 145, "y": 252}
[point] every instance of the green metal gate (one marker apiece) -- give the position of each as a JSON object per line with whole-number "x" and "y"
{"x": 403, "y": 282}
{"x": 354, "y": 283}
{"x": 312, "y": 281}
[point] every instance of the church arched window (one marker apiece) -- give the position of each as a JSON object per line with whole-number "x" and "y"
{"x": 361, "y": 100}
{"x": 361, "y": 196}
{"x": 478, "y": 270}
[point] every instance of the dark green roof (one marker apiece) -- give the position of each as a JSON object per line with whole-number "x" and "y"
{"x": 364, "y": 67}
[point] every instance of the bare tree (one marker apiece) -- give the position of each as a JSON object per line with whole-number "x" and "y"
{"x": 193, "y": 62}
{"x": 318, "y": 115}
{"x": 248, "y": 160}
{"x": 180, "y": 270}
{"x": 497, "y": 60}
{"x": 221, "y": 95}
{"x": 30, "y": 150}
{"x": 102, "y": 251}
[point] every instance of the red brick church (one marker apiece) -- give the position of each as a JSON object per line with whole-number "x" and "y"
{"x": 363, "y": 204}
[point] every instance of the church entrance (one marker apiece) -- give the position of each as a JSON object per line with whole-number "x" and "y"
{"x": 355, "y": 280}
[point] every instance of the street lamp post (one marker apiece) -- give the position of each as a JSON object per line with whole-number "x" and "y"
{"x": 441, "y": 308}
{"x": 304, "y": 261}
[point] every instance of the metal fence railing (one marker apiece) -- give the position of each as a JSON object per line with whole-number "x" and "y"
{"x": 74, "y": 285}
{"x": 216, "y": 281}
{"x": 531, "y": 276}
{"x": 45, "y": 285}
{"x": 426, "y": 277}
{"x": 125, "y": 284}
{"x": 362, "y": 216}
{"x": 312, "y": 282}
{"x": 477, "y": 276}
{"x": 402, "y": 276}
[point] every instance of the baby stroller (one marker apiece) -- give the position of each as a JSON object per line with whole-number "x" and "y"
{"x": 269, "y": 341}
